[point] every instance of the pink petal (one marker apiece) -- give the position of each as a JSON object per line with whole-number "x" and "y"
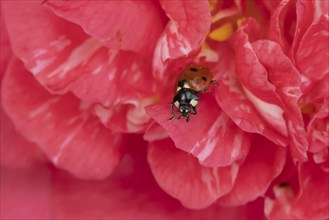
{"x": 63, "y": 127}
{"x": 181, "y": 176}
{"x": 115, "y": 77}
{"x": 188, "y": 25}
{"x": 273, "y": 85}
{"x": 130, "y": 193}
{"x": 312, "y": 53}
{"x": 42, "y": 41}
{"x": 5, "y": 47}
{"x": 312, "y": 200}
{"x": 304, "y": 16}
{"x": 210, "y": 135}
{"x": 16, "y": 151}
{"x": 231, "y": 93}
{"x": 276, "y": 31}
{"x": 25, "y": 193}
{"x": 126, "y": 25}
{"x": 64, "y": 60}
{"x": 127, "y": 117}
{"x": 318, "y": 134}
{"x": 265, "y": 160}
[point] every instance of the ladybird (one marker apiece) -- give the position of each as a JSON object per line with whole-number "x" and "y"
{"x": 193, "y": 80}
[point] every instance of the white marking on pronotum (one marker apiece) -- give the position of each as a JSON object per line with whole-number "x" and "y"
{"x": 193, "y": 102}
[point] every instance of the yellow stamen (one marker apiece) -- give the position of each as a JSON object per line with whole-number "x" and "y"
{"x": 212, "y": 4}
{"x": 307, "y": 109}
{"x": 240, "y": 21}
{"x": 222, "y": 33}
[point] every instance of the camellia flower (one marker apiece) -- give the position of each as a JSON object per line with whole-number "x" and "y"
{"x": 85, "y": 87}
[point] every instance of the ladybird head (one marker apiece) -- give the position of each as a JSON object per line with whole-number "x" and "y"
{"x": 184, "y": 109}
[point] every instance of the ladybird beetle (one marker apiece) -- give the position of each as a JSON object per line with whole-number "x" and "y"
{"x": 193, "y": 80}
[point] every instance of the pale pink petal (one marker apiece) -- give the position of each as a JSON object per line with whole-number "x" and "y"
{"x": 188, "y": 25}
{"x": 263, "y": 164}
{"x": 181, "y": 175}
{"x": 210, "y": 135}
{"x": 126, "y": 25}
{"x": 62, "y": 126}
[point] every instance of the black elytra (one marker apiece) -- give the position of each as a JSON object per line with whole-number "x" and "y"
{"x": 185, "y": 100}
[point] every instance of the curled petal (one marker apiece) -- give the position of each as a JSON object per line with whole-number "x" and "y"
{"x": 62, "y": 126}
{"x": 129, "y": 116}
{"x": 273, "y": 85}
{"x": 234, "y": 101}
{"x": 210, "y": 135}
{"x": 312, "y": 53}
{"x": 181, "y": 176}
{"x": 265, "y": 160}
{"x": 183, "y": 34}
{"x": 126, "y": 25}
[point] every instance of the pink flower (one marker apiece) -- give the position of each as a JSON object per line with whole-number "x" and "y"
{"x": 85, "y": 91}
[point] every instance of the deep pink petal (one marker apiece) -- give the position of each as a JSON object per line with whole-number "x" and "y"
{"x": 312, "y": 200}
{"x": 265, "y": 162}
{"x": 188, "y": 25}
{"x": 62, "y": 126}
{"x": 130, "y": 193}
{"x": 181, "y": 176}
{"x": 16, "y": 151}
{"x": 210, "y": 135}
{"x": 5, "y": 48}
{"x": 25, "y": 193}
{"x": 126, "y": 25}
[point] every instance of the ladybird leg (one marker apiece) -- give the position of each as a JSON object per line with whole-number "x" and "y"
{"x": 214, "y": 82}
{"x": 172, "y": 111}
{"x": 204, "y": 91}
{"x": 187, "y": 118}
